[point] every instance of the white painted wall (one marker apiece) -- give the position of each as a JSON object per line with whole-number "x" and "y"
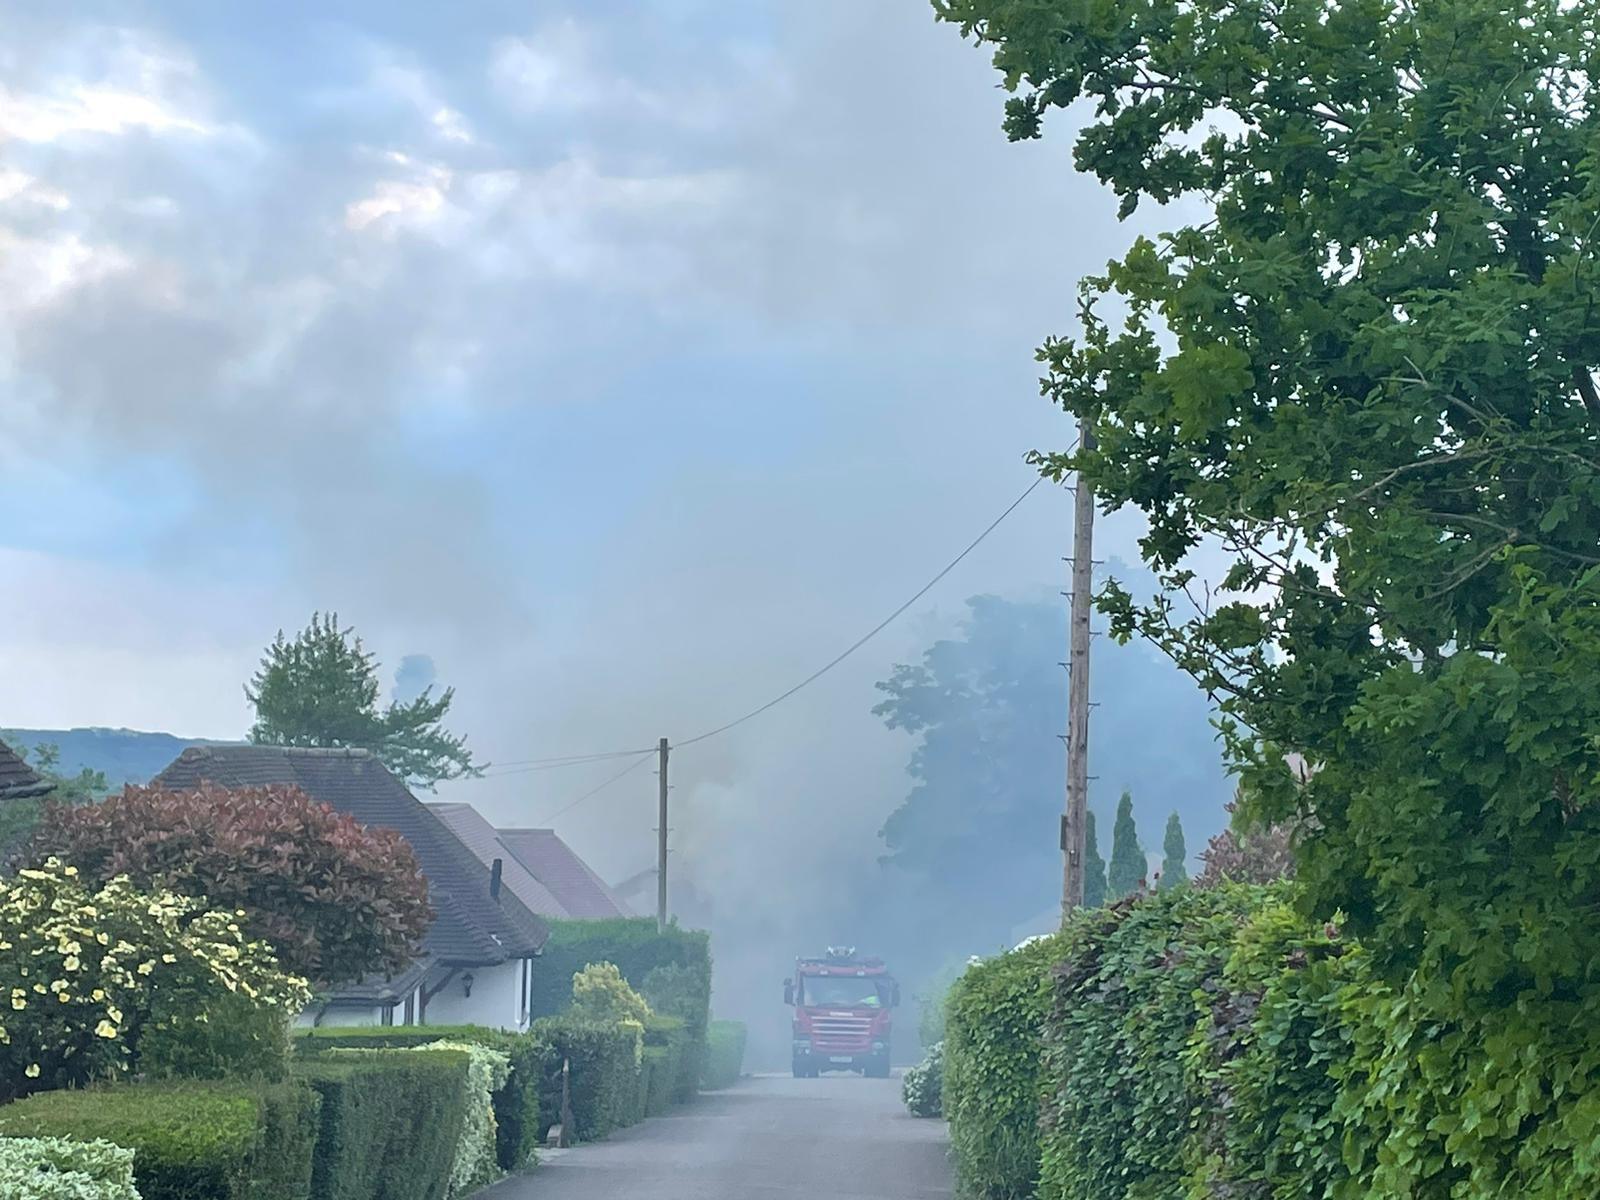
{"x": 496, "y": 999}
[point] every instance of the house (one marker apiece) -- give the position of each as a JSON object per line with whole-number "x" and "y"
{"x": 477, "y": 959}
{"x": 19, "y": 781}
{"x": 540, "y": 868}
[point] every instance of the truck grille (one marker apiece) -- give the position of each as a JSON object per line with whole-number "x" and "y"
{"x": 841, "y": 1033}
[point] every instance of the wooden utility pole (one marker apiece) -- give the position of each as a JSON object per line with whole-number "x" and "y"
{"x": 661, "y": 844}
{"x": 1073, "y": 820}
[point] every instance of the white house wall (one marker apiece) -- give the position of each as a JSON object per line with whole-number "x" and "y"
{"x": 496, "y": 999}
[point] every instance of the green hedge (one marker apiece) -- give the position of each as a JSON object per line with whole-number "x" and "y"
{"x": 991, "y": 1070}
{"x": 725, "y": 1041}
{"x": 1118, "y": 1074}
{"x": 516, "y": 1105}
{"x": 672, "y": 969}
{"x": 604, "y": 1075}
{"x": 390, "y": 1122}
{"x": 191, "y": 1141}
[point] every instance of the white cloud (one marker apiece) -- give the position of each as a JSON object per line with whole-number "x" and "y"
{"x": 88, "y": 109}
{"x": 409, "y": 202}
{"x": 549, "y": 70}
{"x": 23, "y": 188}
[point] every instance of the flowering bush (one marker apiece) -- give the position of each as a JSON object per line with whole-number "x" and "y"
{"x": 60, "y": 1169}
{"x": 335, "y": 899}
{"x": 923, "y": 1085}
{"x": 475, "y": 1162}
{"x": 92, "y": 980}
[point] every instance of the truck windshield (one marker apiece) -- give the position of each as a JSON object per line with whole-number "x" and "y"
{"x": 842, "y": 991}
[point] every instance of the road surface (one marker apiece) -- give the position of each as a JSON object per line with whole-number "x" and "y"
{"x": 769, "y": 1138}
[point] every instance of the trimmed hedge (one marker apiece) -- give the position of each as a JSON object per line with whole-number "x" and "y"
{"x": 60, "y": 1169}
{"x": 991, "y": 1069}
{"x": 672, "y": 969}
{"x": 725, "y": 1041}
{"x": 604, "y": 1078}
{"x": 518, "y": 1127}
{"x": 390, "y": 1122}
{"x": 191, "y": 1141}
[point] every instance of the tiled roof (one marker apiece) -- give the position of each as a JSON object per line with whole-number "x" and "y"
{"x": 17, "y": 779}
{"x": 552, "y": 862}
{"x": 468, "y": 824}
{"x": 382, "y": 989}
{"x": 471, "y": 928}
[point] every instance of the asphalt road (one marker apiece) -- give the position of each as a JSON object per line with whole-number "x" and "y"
{"x": 769, "y": 1138}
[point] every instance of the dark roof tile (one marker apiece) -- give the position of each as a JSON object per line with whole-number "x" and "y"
{"x": 18, "y": 780}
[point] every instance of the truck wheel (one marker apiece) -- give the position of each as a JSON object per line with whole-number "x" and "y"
{"x": 877, "y": 1068}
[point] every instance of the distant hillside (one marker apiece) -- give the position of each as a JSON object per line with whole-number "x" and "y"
{"x": 125, "y": 755}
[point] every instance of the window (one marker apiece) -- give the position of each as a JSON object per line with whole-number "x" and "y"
{"x": 843, "y": 991}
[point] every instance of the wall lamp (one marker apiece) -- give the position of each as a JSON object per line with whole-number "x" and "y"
{"x": 466, "y": 984}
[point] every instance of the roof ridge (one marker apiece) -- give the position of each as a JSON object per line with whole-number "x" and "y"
{"x": 231, "y": 749}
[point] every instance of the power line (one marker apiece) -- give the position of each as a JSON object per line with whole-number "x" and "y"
{"x": 640, "y": 755}
{"x": 871, "y": 633}
{"x": 594, "y": 791}
{"x": 521, "y": 766}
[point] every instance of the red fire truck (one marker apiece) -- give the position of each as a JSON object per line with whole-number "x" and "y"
{"x": 842, "y": 1006}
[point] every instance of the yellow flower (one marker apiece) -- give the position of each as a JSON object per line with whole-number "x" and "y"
{"x": 106, "y": 1030}
{"x": 98, "y": 994}
{"x": 146, "y": 967}
{"x": 169, "y": 959}
{"x": 71, "y": 963}
{"x": 33, "y": 1071}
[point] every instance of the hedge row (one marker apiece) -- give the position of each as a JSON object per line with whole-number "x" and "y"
{"x": 58, "y": 1169}
{"x": 191, "y": 1141}
{"x": 725, "y": 1042}
{"x": 671, "y": 969}
{"x": 991, "y": 1069}
{"x": 1200, "y": 1044}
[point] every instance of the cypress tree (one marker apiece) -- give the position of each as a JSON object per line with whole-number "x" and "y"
{"x": 1094, "y": 867}
{"x": 1128, "y": 863}
{"x": 1173, "y": 870}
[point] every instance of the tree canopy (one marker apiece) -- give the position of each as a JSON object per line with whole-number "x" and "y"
{"x": 321, "y": 689}
{"x": 335, "y": 899}
{"x": 1174, "y": 865}
{"x": 1094, "y": 867}
{"x": 1129, "y": 868}
{"x": 1364, "y": 369}
{"x": 986, "y": 706}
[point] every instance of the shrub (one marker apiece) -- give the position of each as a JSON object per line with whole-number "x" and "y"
{"x": 604, "y": 1075}
{"x": 391, "y": 1123}
{"x": 600, "y": 993}
{"x": 662, "y": 1065}
{"x": 60, "y": 1169}
{"x": 487, "y": 1071}
{"x": 991, "y": 1069}
{"x": 638, "y": 949}
{"x": 923, "y": 1086}
{"x": 516, "y": 1102}
{"x": 725, "y": 1042}
{"x": 336, "y": 899}
{"x": 97, "y": 983}
{"x": 191, "y": 1141}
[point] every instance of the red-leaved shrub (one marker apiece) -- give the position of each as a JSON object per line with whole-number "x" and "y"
{"x": 336, "y": 899}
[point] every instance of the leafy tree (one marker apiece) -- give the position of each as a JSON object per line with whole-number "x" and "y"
{"x": 1094, "y": 879}
{"x": 1174, "y": 870}
{"x": 1129, "y": 866}
{"x": 1366, "y": 373}
{"x": 336, "y": 899}
{"x": 321, "y": 689}
{"x": 974, "y": 842}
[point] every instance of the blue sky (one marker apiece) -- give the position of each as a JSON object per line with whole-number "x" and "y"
{"x": 629, "y": 360}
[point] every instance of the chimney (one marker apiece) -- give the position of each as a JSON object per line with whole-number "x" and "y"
{"x": 494, "y": 878}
